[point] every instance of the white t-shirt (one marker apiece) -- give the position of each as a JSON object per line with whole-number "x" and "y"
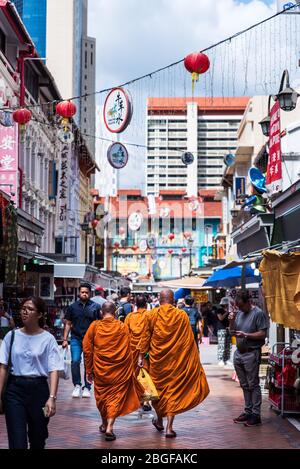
{"x": 32, "y": 355}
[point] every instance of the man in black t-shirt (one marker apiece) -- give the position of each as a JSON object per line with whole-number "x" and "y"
{"x": 125, "y": 306}
{"x": 79, "y": 317}
{"x": 224, "y": 337}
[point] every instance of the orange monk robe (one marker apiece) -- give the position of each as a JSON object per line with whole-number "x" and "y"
{"x": 107, "y": 355}
{"x": 175, "y": 366}
{"x": 137, "y": 324}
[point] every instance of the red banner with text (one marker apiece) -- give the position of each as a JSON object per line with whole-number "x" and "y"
{"x": 274, "y": 171}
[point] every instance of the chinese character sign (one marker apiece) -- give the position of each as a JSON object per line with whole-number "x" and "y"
{"x": 62, "y": 198}
{"x": 117, "y": 110}
{"x": 274, "y": 171}
{"x": 9, "y": 161}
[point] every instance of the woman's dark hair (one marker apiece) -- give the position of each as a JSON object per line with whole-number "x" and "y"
{"x": 141, "y": 301}
{"x": 39, "y": 305}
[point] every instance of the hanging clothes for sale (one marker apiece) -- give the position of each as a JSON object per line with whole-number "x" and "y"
{"x": 281, "y": 286}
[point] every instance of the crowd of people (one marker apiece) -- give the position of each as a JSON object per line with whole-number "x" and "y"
{"x": 117, "y": 338}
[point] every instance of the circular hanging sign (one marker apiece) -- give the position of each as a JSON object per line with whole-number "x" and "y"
{"x": 65, "y": 136}
{"x": 151, "y": 241}
{"x": 143, "y": 245}
{"x": 135, "y": 221}
{"x": 187, "y": 158}
{"x": 193, "y": 205}
{"x": 117, "y": 110}
{"x": 117, "y": 155}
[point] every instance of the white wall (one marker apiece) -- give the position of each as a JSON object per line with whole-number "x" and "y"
{"x": 192, "y": 146}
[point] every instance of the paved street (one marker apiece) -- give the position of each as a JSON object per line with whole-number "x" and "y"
{"x": 207, "y": 426}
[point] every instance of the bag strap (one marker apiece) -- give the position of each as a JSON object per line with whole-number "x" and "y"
{"x": 9, "y": 363}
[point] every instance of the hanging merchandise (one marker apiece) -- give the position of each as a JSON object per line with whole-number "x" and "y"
{"x": 229, "y": 159}
{"x": 196, "y": 63}
{"x": 6, "y": 118}
{"x": 135, "y": 221}
{"x": 134, "y": 247}
{"x": 117, "y": 111}
{"x": 95, "y": 223}
{"x": 187, "y": 158}
{"x": 193, "y": 205}
{"x": 122, "y": 231}
{"x": 187, "y": 234}
{"x": 117, "y": 155}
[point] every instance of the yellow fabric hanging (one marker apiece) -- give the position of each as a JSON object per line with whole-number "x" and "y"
{"x": 281, "y": 287}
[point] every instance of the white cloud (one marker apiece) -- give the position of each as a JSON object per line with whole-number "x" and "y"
{"x": 138, "y": 36}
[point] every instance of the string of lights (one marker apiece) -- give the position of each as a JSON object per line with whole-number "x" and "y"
{"x": 155, "y": 72}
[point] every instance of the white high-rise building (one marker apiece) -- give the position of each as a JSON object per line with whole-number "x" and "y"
{"x": 205, "y": 127}
{"x": 71, "y": 58}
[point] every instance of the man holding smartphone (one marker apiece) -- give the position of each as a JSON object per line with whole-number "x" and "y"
{"x": 249, "y": 324}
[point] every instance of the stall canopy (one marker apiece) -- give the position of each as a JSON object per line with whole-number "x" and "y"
{"x": 232, "y": 277}
{"x": 192, "y": 283}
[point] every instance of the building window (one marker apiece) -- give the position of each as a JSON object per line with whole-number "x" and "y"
{"x": 85, "y": 59}
{"x": 92, "y": 58}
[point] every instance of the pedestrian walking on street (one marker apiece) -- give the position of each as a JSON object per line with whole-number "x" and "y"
{"x": 137, "y": 324}
{"x": 175, "y": 366}
{"x": 109, "y": 363}
{"x": 194, "y": 317}
{"x": 32, "y": 356}
{"x": 250, "y": 326}
{"x": 99, "y": 296}
{"x": 224, "y": 336}
{"x": 125, "y": 305}
{"x": 79, "y": 317}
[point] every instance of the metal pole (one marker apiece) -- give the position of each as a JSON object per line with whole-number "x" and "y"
{"x": 86, "y": 239}
{"x": 190, "y": 258}
{"x": 180, "y": 266}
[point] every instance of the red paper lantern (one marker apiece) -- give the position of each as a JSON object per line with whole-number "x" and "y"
{"x": 187, "y": 234}
{"x": 171, "y": 236}
{"x": 66, "y": 109}
{"x": 22, "y": 116}
{"x": 183, "y": 249}
{"x": 196, "y": 63}
{"x": 134, "y": 247}
{"x": 95, "y": 223}
{"x": 170, "y": 251}
{"x": 117, "y": 245}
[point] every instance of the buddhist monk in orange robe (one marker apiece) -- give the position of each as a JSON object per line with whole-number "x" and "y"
{"x": 109, "y": 363}
{"x": 138, "y": 325}
{"x": 175, "y": 366}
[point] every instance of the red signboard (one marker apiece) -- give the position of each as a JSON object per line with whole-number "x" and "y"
{"x": 274, "y": 171}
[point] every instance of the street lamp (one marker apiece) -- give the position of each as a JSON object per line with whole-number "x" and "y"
{"x": 287, "y": 101}
{"x": 190, "y": 242}
{"x": 85, "y": 227}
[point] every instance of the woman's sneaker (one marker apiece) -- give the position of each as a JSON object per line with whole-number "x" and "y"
{"x": 76, "y": 391}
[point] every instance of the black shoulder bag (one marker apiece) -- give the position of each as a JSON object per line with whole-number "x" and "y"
{"x": 9, "y": 366}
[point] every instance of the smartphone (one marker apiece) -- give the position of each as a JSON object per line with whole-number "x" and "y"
{"x": 45, "y": 411}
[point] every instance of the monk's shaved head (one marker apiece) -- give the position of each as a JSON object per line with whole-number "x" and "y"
{"x": 166, "y": 297}
{"x": 108, "y": 308}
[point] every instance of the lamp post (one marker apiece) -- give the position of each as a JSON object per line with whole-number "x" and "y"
{"x": 190, "y": 242}
{"x": 287, "y": 98}
{"x": 116, "y": 256}
{"x": 180, "y": 264}
{"x": 87, "y": 230}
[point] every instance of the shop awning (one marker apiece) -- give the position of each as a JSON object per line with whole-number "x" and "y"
{"x": 69, "y": 270}
{"x": 193, "y": 283}
{"x": 230, "y": 278}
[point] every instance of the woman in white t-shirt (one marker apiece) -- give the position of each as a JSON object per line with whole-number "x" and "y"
{"x": 28, "y": 403}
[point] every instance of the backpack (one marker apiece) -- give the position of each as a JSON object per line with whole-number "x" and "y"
{"x": 121, "y": 313}
{"x": 192, "y": 314}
